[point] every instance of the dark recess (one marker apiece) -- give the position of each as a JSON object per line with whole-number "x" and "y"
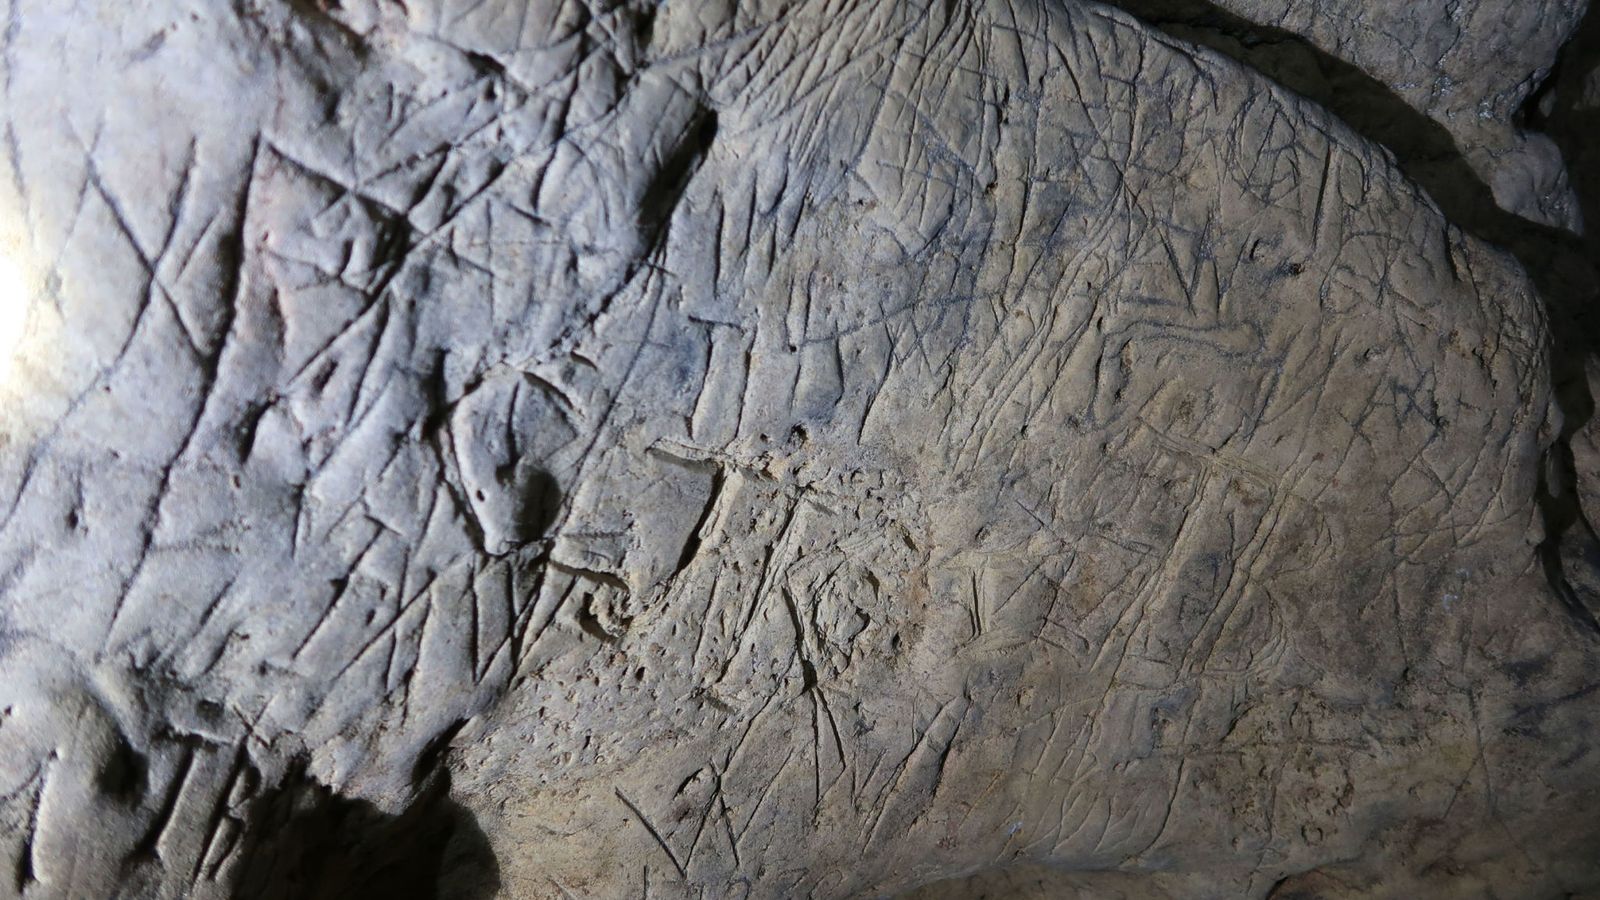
{"x": 1555, "y": 110}
{"x": 666, "y": 188}
{"x": 304, "y": 842}
{"x": 538, "y": 504}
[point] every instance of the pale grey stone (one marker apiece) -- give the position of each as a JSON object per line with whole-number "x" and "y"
{"x": 776, "y": 449}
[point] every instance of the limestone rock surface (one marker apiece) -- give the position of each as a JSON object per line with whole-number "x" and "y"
{"x": 795, "y": 448}
{"x": 1471, "y": 65}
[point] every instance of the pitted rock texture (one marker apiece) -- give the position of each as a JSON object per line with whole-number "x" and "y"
{"x": 794, "y": 448}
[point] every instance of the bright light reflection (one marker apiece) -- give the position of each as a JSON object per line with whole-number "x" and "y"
{"x": 14, "y": 302}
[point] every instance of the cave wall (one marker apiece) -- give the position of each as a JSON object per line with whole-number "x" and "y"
{"x": 593, "y": 448}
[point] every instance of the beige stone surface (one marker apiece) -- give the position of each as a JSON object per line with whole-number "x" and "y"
{"x": 574, "y": 448}
{"x": 1471, "y": 65}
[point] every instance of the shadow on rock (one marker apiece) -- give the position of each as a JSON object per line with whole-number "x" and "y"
{"x": 304, "y": 842}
